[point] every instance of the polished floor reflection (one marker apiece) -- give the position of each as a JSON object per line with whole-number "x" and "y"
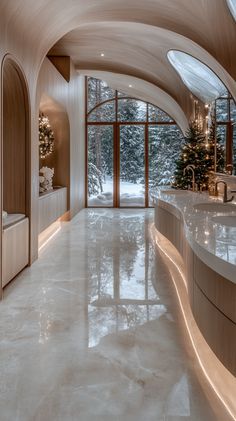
{"x": 91, "y": 330}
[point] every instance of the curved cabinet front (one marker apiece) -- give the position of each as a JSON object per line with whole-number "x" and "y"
{"x": 212, "y": 297}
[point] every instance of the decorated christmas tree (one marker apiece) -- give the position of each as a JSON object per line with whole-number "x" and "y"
{"x": 46, "y": 137}
{"x": 193, "y": 152}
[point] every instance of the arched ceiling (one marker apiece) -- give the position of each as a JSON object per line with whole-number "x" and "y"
{"x": 138, "y": 50}
{"x": 145, "y": 91}
{"x": 135, "y": 36}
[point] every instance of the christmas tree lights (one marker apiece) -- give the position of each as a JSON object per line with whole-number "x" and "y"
{"x": 46, "y": 137}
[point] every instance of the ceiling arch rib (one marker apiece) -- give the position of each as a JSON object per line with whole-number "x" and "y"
{"x": 143, "y": 90}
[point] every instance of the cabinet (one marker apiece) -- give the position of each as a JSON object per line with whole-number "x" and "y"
{"x": 15, "y": 250}
{"x": 52, "y": 205}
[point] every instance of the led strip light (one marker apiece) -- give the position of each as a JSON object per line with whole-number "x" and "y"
{"x": 157, "y": 238}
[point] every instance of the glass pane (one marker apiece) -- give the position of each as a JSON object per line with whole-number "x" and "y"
{"x": 234, "y": 148}
{"x": 103, "y": 113}
{"x": 164, "y": 149}
{"x": 232, "y": 7}
{"x": 222, "y": 110}
{"x": 100, "y": 166}
{"x": 221, "y": 135}
{"x": 232, "y": 111}
{"x": 130, "y": 110}
{"x": 157, "y": 115}
{"x": 199, "y": 79}
{"x": 98, "y": 91}
{"x": 132, "y": 165}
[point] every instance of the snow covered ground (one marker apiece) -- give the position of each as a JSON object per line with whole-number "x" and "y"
{"x": 130, "y": 195}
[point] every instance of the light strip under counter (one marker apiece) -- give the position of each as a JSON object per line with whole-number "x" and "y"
{"x": 222, "y": 382}
{"x": 201, "y": 256}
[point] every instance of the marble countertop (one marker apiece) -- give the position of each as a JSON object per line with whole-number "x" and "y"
{"x": 213, "y": 242}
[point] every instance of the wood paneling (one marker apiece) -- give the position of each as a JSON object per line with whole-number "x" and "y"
{"x": 212, "y": 297}
{"x": 51, "y": 207}
{"x": 15, "y": 250}
{"x": 59, "y": 159}
{"x": 218, "y": 330}
{"x": 62, "y": 64}
{"x": 220, "y": 291}
{"x": 16, "y": 181}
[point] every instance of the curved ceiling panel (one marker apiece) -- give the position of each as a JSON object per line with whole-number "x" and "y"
{"x": 41, "y": 24}
{"x": 138, "y": 50}
{"x": 143, "y": 90}
{"x": 232, "y": 7}
{"x": 199, "y": 79}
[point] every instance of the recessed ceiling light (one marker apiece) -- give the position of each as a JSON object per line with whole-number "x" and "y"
{"x": 130, "y": 86}
{"x": 102, "y": 55}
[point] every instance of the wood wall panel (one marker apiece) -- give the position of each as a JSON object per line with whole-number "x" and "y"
{"x": 60, "y": 158}
{"x": 15, "y": 177}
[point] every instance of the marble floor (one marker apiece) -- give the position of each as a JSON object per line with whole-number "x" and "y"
{"x": 92, "y": 330}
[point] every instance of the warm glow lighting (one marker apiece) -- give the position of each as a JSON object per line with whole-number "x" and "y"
{"x": 50, "y": 238}
{"x": 130, "y": 86}
{"x": 102, "y": 55}
{"x": 192, "y": 328}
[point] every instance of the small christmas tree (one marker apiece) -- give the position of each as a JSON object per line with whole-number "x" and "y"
{"x": 46, "y": 137}
{"x": 193, "y": 152}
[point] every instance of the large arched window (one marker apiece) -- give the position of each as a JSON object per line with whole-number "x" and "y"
{"x": 131, "y": 148}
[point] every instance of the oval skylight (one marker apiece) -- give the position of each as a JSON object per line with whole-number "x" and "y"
{"x": 198, "y": 78}
{"x": 232, "y": 7}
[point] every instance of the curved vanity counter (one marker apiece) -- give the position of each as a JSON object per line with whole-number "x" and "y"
{"x": 204, "y": 232}
{"x": 213, "y": 241}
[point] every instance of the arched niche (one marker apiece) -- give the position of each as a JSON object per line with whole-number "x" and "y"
{"x": 15, "y": 171}
{"x": 59, "y": 159}
{"x": 15, "y": 140}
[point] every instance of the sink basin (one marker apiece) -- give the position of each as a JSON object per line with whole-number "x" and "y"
{"x": 215, "y": 207}
{"x": 226, "y": 220}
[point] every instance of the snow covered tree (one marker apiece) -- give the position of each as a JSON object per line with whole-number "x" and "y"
{"x": 193, "y": 152}
{"x": 132, "y": 140}
{"x": 94, "y": 180}
{"x": 164, "y": 147}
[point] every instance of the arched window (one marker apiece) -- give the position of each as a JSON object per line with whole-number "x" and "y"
{"x": 131, "y": 148}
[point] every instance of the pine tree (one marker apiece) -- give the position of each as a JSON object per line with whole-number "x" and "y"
{"x": 193, "y": 152}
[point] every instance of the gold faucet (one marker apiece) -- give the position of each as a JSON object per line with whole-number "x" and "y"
{"x": 225, "y": 196}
